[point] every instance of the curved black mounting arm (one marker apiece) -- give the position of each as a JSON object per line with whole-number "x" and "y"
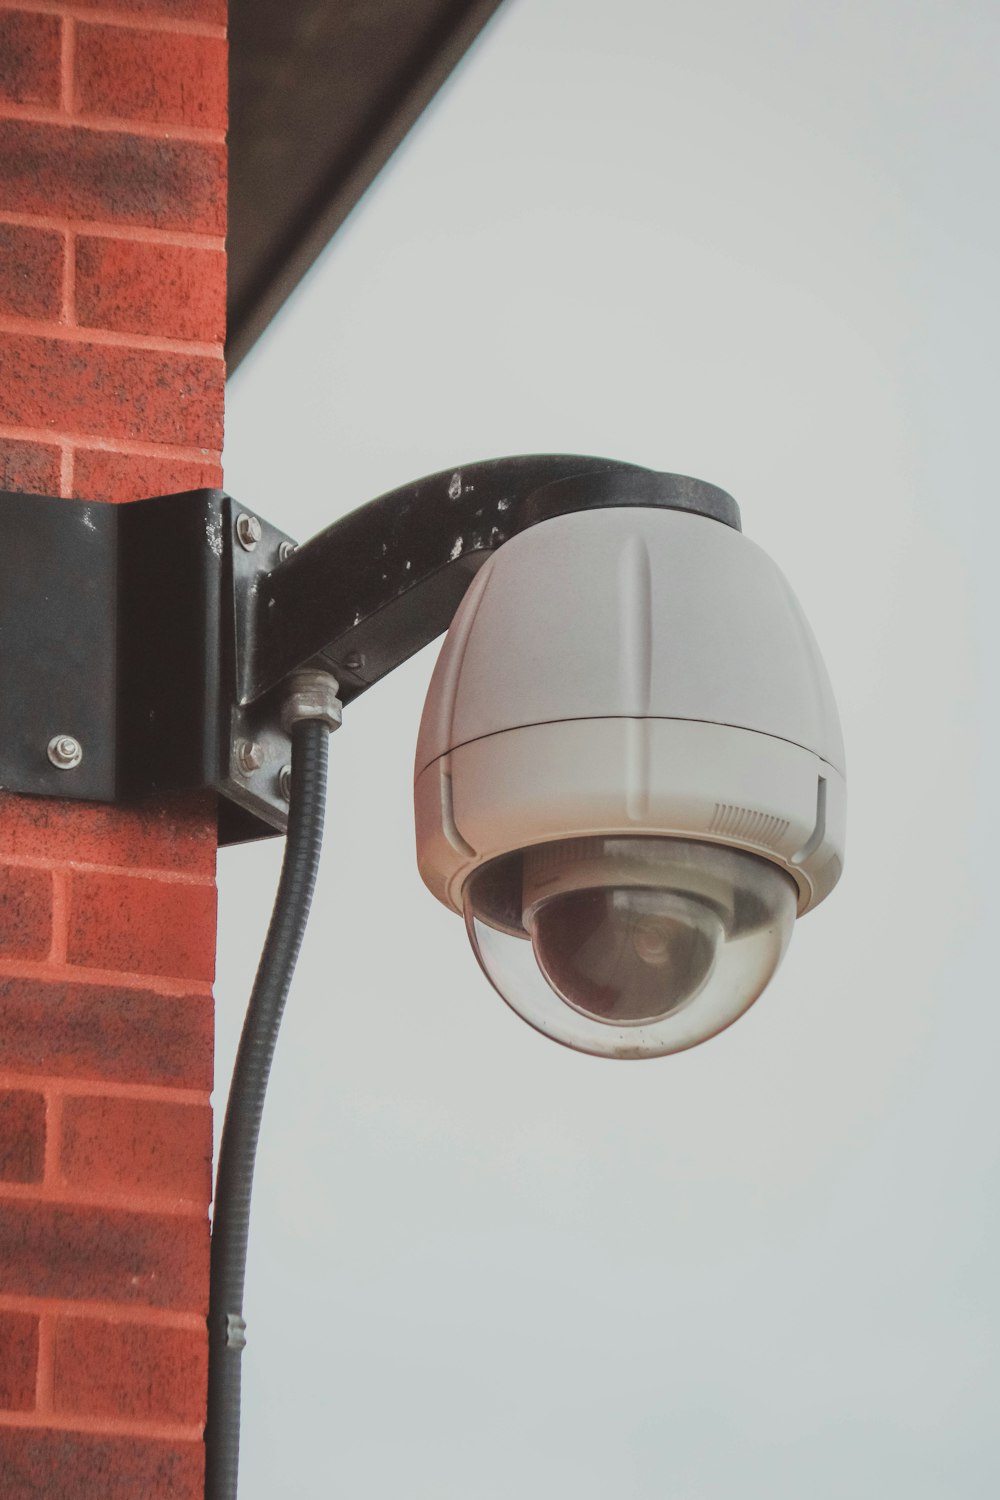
{"x": 377, "y": 585}
{"x": 143, "y": 647}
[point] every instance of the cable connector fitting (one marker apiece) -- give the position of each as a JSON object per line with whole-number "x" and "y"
{"x": 312, "y": 695}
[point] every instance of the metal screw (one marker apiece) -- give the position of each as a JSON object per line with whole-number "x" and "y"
{"x": 65, "y": 752}
{"x": 285, "y": 782}
{"x": 248, "y": 530}
{"x": 286, "y": 549}
{"x": 248, "y": 756}
{"x": 354, "y": 662}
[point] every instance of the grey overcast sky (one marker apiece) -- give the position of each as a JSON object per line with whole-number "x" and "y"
{"x": 758, "y": 244}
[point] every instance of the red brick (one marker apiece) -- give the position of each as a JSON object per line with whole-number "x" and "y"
{"x": 18, "y": 1360}
{"x": 213, "y": 12}
{"x": 30, "y": 57}
{"x": 22, "y": 1136}
{"x": 138, "y": 1145}
{"x": 25, "y": 913}
{"x": 111, "y": 176}
{"x": 29, "y": 468}
{"x": 176, "y": 291}
{"x": 142, "y": 925}
{"x": 31, "y": 269}
{"x": 99, "y": 475}
{"x": 45, "y": 1464}
{"x": 177, "y": 834}
{"x": 104, "y": 1255}
{"x": 138, "y": 394}
{"x": 93, "y": 1031}
{"x": 161, "y": 76}
{"x": 129, "y": 1370}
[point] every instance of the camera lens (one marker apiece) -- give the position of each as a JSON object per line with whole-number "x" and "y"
{"x": 625, "y": 955}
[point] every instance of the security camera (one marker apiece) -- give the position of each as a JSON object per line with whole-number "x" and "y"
{"x": 630, "y": 772}
{"x": 629, "y": 775}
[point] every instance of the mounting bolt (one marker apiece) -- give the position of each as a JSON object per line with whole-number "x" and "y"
{"x": 248, "y": 530}
{"x": 354, "y": 662}
{"x": 285, "y": 782}
{"x": 286, "y": 549}
{"x": 65, "y": 752}
{"x": 248, "y": 756}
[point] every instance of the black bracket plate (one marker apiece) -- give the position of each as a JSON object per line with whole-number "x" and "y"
{"x": 118, "y": 627}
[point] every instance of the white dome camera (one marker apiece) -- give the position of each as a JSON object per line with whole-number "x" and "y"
{"x": 630, "y": 772}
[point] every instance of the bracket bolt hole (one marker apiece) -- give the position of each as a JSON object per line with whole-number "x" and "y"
{"x": 285, "y": 782}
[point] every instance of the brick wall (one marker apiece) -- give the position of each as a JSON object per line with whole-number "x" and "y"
{"x": 112, "y": 260}
{"x": 112, "y": 279}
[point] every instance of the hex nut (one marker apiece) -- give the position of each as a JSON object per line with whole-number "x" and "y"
{"x": 248, "y": 756}
{"x": 248, "y": 531}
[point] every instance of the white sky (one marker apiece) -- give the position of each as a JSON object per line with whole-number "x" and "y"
{"x": 758, "y": 244}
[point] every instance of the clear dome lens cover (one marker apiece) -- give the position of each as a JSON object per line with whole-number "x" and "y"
{"x": 630, "y": 947}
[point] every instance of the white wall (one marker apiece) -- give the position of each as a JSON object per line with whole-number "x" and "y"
{"x": 757, "y": 244}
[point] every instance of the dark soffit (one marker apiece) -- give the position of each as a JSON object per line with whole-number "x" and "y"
{"x": 321, "y": 94}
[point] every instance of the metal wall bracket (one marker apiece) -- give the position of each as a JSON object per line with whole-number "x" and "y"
{"x": 118, "y": 629}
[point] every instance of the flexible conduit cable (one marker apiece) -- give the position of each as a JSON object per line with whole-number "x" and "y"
{"x": 238, "y": 1147}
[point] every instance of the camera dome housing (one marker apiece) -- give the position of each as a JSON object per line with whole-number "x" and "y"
{"x": 630, "y": 775}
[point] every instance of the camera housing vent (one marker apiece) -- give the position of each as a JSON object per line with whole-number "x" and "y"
{"x": 743, "y": 823}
